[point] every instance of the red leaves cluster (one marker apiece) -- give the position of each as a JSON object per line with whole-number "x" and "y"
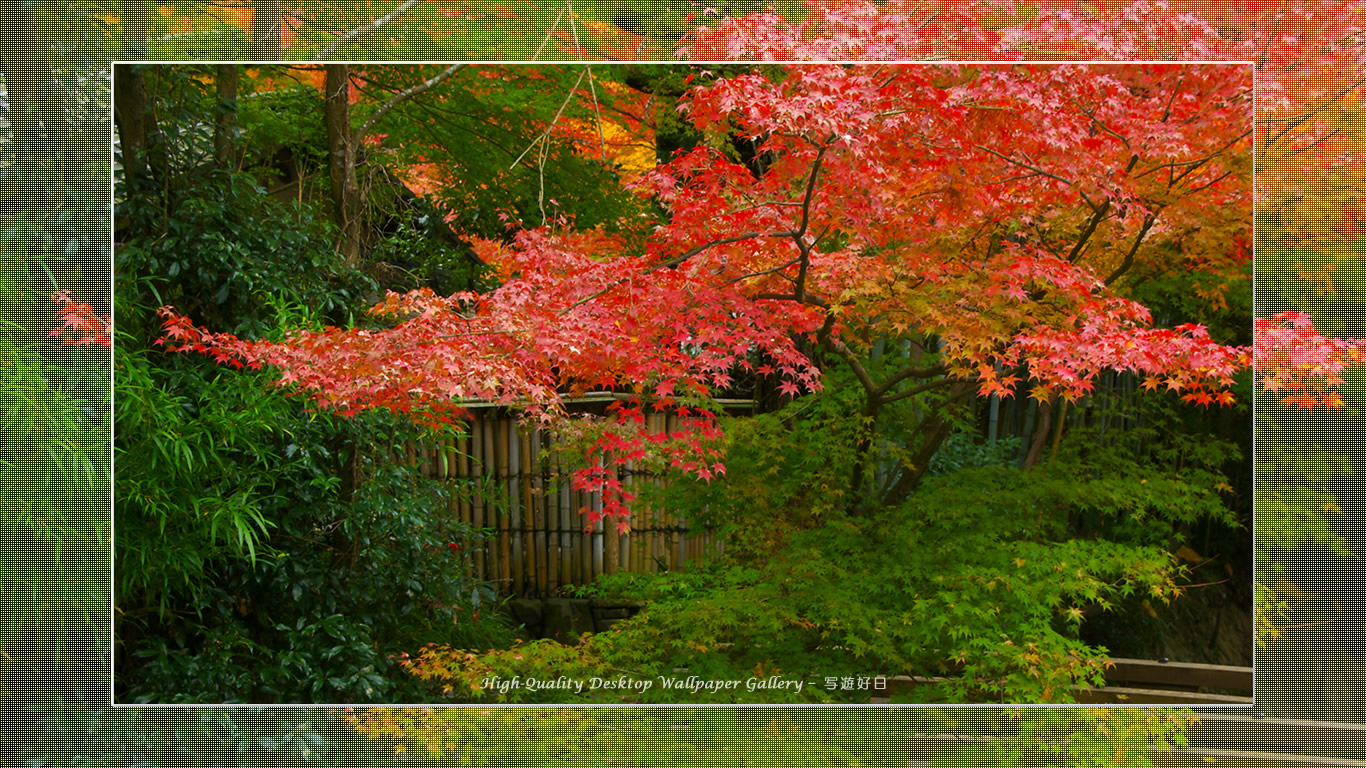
{"x": 977, "y": 205}
{"x": 1300, "y": 365}
{"x": 693, "y": 447}
{"x": 81, "y": 326}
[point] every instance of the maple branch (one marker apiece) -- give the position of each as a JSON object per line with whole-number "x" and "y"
{"x": 1189, "y": 166}
{"x": 799, "y": 235}
{"x": 366, "y": 29}
{"x": 811, "y": 188}
{"x": 1266, "y": 48}
{"x": 779, "y": 268}
{"x": 916, "y": 390}
{"x": 691, "y": 252}
{"x": 1129, "y": 257}
{"x": 1294, "y": 121}
{"x": 849, "y": 357}
{"x": 1097, "y": 217}
{"x": 1193, "y": 165}
{"x": 935, "y": 429}
{"x": 550, "y": 31}
{"x": 1026, "y": 166}
{"x": 808, "y": 299}
{"x": 553, "y": 121}
{"x": 1211, "y": 182}
{"x": 1091, "y": 113}
{"x": 1314, "y": 143}
{"x": 1167, "y": 113}
{"x": 403, "y": 96}
{"x": 909, "y": 372}
{"x": 592, "y": 296}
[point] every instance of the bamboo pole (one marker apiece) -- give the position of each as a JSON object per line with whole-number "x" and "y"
{"x": 651, "y": 543}
{"x": 528, "y": 510}
{"x": 515, "y": 507}
{"x": 566, "y": 500}
{"x": 583, "y": 540}
{"x": 637, "y": 547}
{"x": 554, "y": 493}
{"x": 427, "y": 465}
{"x": 539, "y": 486}
{"x": 462, "y": 469}
{"x": 594, "y": 553}
{"x": 477, "y": 471}
{"x": 611, "y": 539}
{"x": 451, "y": 479}
{"x": 500, "y": 437}
{"x": 491, "y": 510}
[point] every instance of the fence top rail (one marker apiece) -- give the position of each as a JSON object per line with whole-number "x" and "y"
{"x": 1184, "y": 674}
{"x": 1279, "y": 732}
{"x": 591, "y": 398}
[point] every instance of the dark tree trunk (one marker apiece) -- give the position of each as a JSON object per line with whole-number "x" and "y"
{"x": 142, "y": 152}
{"x": 225, "y": 118}
{"x": 933, "y": 431}
{"x": 135, "y": 29}
{"x": 265, "y": 31}
{"x": 1041, "y": 435}
{"x": 37, "y": 116}
{"x": 341, "y": 163}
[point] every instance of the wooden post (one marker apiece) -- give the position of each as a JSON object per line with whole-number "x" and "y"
{"x": 488, "y": 478}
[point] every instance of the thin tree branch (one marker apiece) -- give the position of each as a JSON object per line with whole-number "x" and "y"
{"x": 917, "y": 389}
{"x": 1211, "y": 182}
{"x": 909, "y": 372}
{"x": 1097, "y": 216}
{"x": 366, "y": 29}
{"x": 691, "y": 252}
{"x": 545, "y": 135}
{"x": 425, "y": 85}
{"x": 1026, "y": 166}
{"x": 779, "y": 268}
{"x": 800, "y": 233}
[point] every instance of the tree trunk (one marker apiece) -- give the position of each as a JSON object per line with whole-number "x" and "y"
{"x": 265, "y": 31}
{"x": 341, "y": 163}
{"x": 225, "y": 117}
{"x": 933, "y": 431}
{"x": 134, "y": 29}
{"x": 141, "y": 150}
{"x": 37, "y": 116}
{"x": 1041, "y": 435}
{"x": 861, "y": 453}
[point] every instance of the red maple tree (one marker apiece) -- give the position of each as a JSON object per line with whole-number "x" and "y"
{"x": 982, "y": 217}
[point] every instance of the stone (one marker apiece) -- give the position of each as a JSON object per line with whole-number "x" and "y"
{"x": 564, "y": 619}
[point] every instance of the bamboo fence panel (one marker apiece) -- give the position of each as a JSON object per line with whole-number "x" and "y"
{"x": 513, "y": 482}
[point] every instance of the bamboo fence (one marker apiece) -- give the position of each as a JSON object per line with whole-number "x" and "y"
{"x": 512, "y": 480}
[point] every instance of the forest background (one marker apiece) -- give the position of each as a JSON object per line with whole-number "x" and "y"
{"x": 1317, "y": 527}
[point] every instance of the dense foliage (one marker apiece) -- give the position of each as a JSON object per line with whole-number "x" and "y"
{"x": 265, "y": 553}
{"x": 1307, "y": 54}
{"x": 813, "y": 269}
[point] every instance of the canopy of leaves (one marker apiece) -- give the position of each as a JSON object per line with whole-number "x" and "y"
{"x": 982, "y": 213}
